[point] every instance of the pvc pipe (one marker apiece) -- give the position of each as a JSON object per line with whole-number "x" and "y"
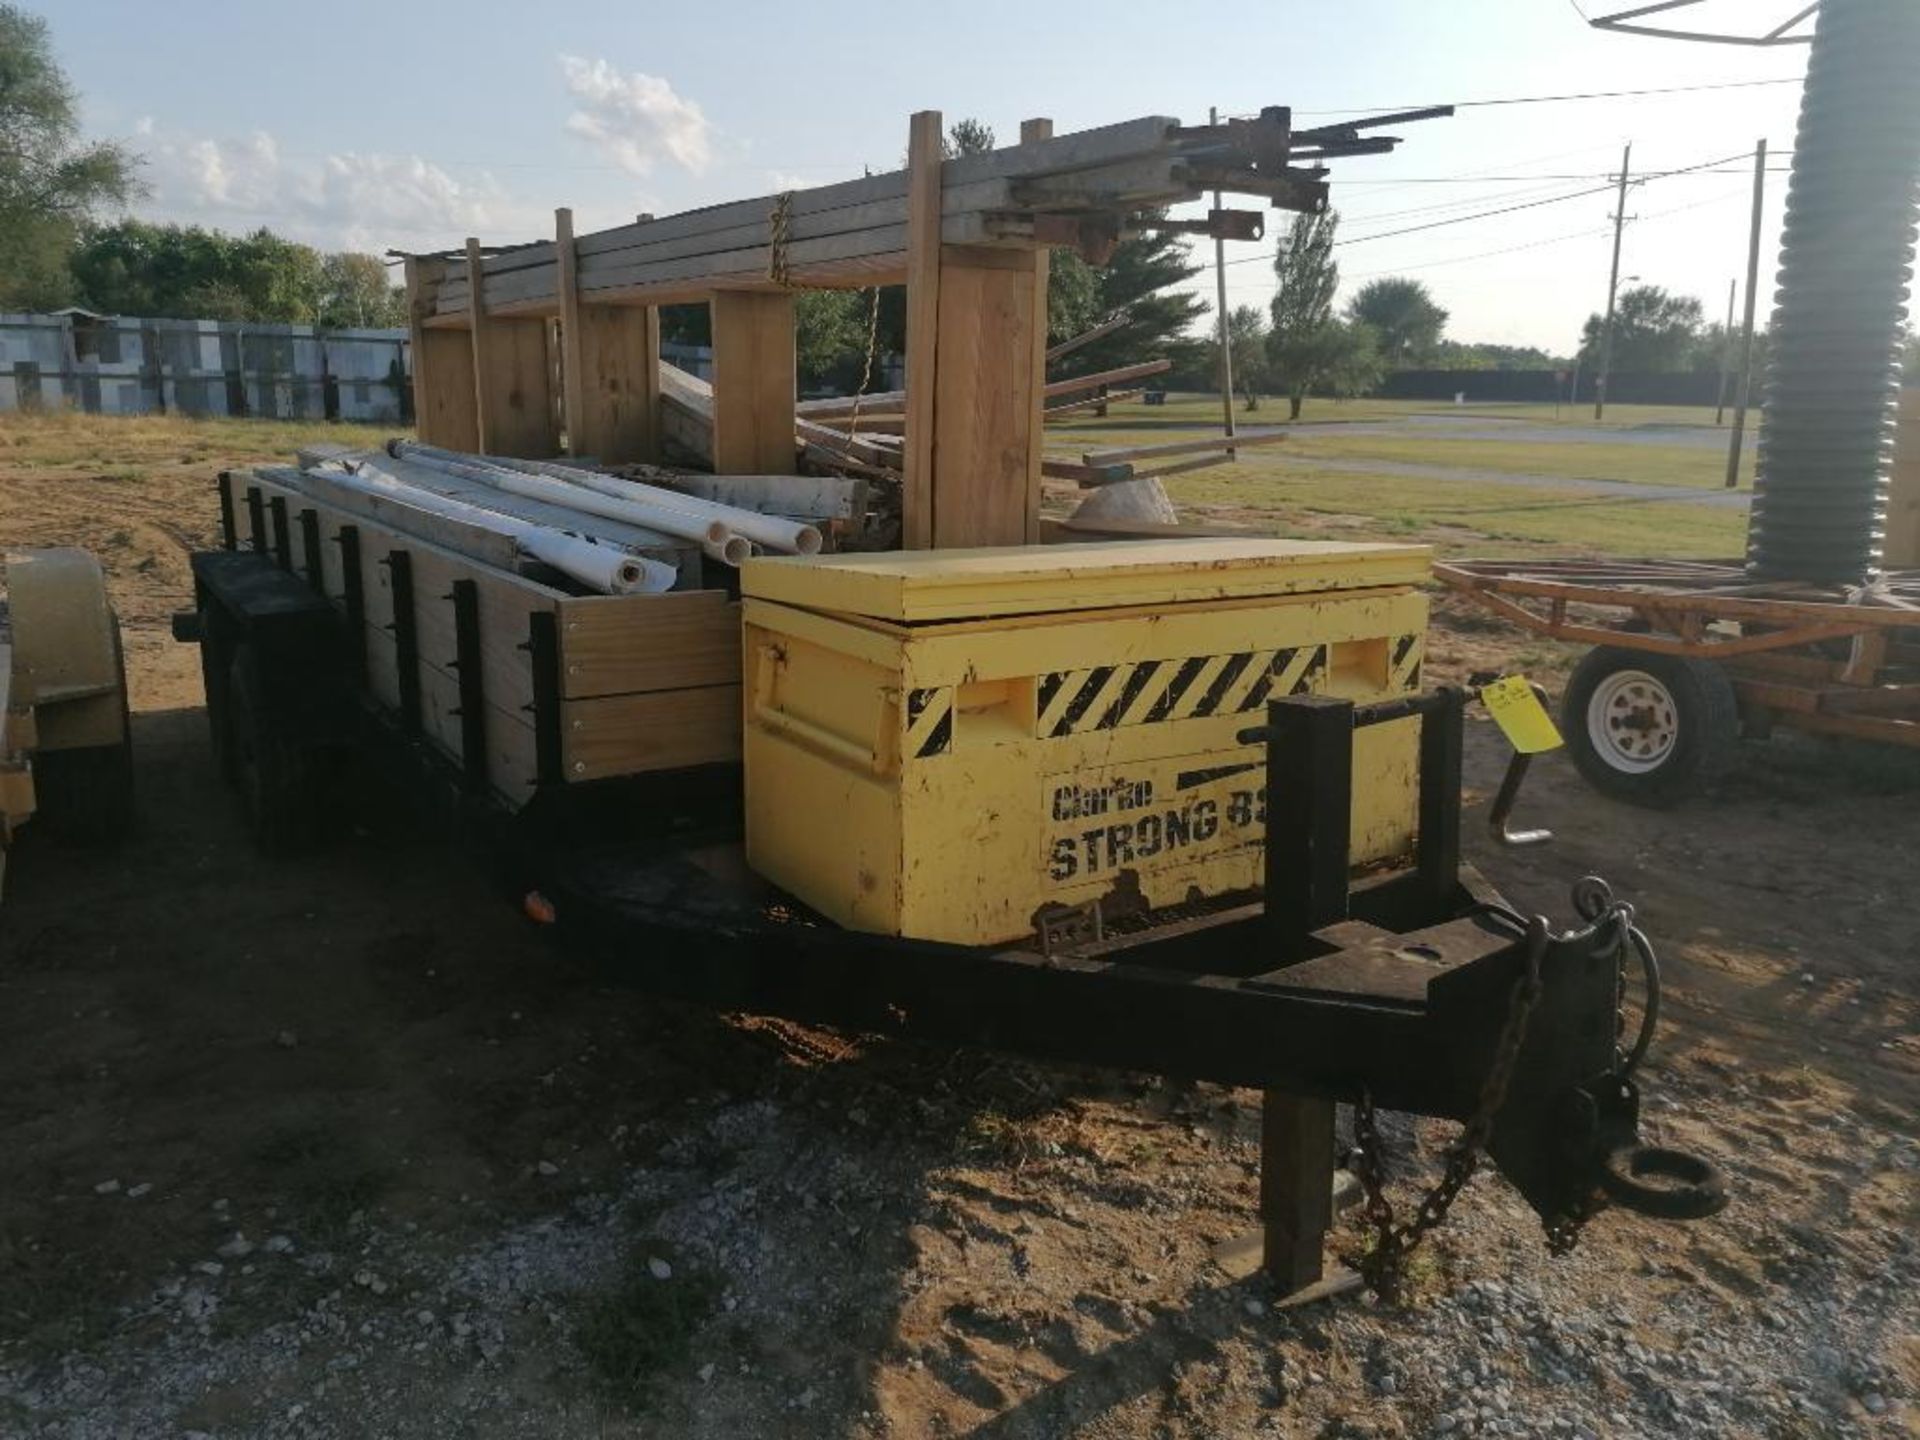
{"x": 606, "y": 568}
{"x": 787, "y": 536}
{"x": 714, "y": 535}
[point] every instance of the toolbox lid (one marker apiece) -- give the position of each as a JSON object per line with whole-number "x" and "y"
{"x": 924, "y": 585}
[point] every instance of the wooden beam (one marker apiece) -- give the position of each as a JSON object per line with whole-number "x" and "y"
{"x": 482, "y": 341}
{"x": 512, "y": 381}
{"x": 1033, "y": 132}
{"x": 443, "y": 397}
{"x": 1241, "y": 441}
{"x": 753, "y": 383}
{"x": 925, "y": 155}
{"x": 572, "y": 361}
{"x": 620, "y": 373}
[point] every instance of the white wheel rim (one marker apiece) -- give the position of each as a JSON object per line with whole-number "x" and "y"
{"x": 1632, "y": 722}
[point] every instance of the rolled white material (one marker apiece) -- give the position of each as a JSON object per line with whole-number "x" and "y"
{"x": 715, "y": 537}
{"x": 788, "y": 536}
{"x": 600, "y": 566}
{"x": 769, "y": 531}
{"x": 606, "y": 568}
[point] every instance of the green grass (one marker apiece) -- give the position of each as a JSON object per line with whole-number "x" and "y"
{"x": 127, "y": 447}
{"x": 635, "y": 1330}
{"x": 1459, "y": 517}
{"x": 1590, "y": 460}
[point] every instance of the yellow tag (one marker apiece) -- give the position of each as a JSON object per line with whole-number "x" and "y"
{"x": 1520, "y": 715}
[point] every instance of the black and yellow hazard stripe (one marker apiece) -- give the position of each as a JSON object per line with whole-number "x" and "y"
{"x": 929, "y": 722}
{"x": 1107, "y": 697}
{"x": 1404, "y": 657}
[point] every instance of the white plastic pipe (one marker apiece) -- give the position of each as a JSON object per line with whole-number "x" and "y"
{"x": 790, "y": 537}
{"x": 714, "y": 535}
{"x": 606, "y": 568}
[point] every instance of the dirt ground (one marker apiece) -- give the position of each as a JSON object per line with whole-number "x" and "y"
{"x": 341, "y": 1148}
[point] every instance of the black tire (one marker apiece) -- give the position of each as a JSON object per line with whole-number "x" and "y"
{"x": 281, "y": 781}
{"x": 1649, "y": 729}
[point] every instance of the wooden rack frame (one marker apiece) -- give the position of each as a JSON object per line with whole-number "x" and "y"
{"x": 529, "y": 349}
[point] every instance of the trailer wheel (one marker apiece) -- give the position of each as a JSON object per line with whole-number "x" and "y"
{"x": 1649, "y": 729}
{"x": 279, "y": 778}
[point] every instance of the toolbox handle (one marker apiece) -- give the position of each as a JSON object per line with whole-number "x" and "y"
{"x": 780, "y": 722}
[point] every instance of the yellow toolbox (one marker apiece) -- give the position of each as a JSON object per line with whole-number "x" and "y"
{"x": 953, "y": 745}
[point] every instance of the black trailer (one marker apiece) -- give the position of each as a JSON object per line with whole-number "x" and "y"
{"x": 1419, "y": 990}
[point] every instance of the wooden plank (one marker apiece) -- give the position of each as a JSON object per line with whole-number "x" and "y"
{"x": 619, "y": 644}
{"x": 925, "y": 160}
{"x": 518, "y": 382}
{"x": 753, "y": 384}
{"x": 1242, "y": 441}
{"x": 620, "y": 369}
{"x": 510, "y": 749}
{"x": 573, "y": 369}
{"x": 479, "y": 324}
{"x": 857, "y": 273}
{"x": 1112, "y": 397}
{"x": 443, "y": 397}
{"x": 489, "y": 547}
{"x": 661, "y": 730}
{"x": 505, "y": 599}
{"x": 1077, "y": 383}
{"x": 1036, "y": 132}
{"x": 986, "y": 410}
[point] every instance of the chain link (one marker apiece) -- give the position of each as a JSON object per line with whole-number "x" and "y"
{"x": 1383, "y": 1266}
{"x": 780, "y": 229}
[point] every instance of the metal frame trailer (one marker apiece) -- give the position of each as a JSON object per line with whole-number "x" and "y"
{"x": 1689, "y": 655}
{"x": 1418, "y": 990}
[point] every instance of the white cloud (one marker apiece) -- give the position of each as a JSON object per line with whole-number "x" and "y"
{"x": 343, "y": 200}
{"x": 635, "y": 118}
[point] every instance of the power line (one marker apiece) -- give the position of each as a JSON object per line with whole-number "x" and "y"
{"x": 1556, "y": 99}
{"x": 1505, "y": 209}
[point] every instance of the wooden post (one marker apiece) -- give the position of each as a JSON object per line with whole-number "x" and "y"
{"x": 609, "y": 366}
{"x": 924, "y": 157}
{"x": 1296, "y": 1187}
{"x": 443, "y": 408}
{"x": 1038, "y": 128}
{"x": 481, "y": 338}
{"x": 753, "y": 383}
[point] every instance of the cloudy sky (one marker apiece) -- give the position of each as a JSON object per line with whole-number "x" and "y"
{"x": 374, "y": 126}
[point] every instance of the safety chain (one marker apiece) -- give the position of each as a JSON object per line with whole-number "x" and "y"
{"x": 780, "y": 228}
{"x": 780, "y": 271}
{"x": 1383, "y": 1266}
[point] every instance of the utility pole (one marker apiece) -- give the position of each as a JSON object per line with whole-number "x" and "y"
{"x": 1744, "y": 379}
{"x": 1220, "y": 291}
{"x": 1613, "y": 286}
{"x": 1726, "y": 356}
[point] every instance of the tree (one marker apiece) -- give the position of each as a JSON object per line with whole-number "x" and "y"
{"x": 356, "y": 294}
{"x": 1247, "y": 334}
{"x": 1307, "y": 346}
{"x": 1653, "y": 331}
{"x": 50, "y": 182}
{"x": 1403, "y": 316}
{"x": 967, "y": 137}
{"x": 1139, "y": 280}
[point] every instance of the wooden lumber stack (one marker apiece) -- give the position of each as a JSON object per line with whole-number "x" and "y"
{"x": 1083, "y": 189}
{"x": 559, "y": 687}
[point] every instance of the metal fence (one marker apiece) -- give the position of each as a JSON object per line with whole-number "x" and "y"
{"x": 122, "y": 365}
